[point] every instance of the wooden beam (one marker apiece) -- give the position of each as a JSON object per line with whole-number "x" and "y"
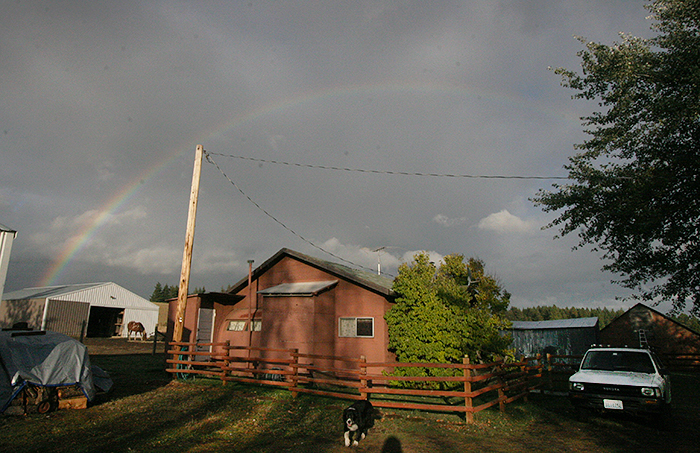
{"x": 189, "y": 243}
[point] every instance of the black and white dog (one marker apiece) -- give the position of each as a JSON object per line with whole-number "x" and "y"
{"x": 357, "y": 420}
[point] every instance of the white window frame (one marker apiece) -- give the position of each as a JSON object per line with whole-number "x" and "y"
{"x": 243, "y": 324}
{"x": 239, "y": 323}
{"x": 353, "y": 333}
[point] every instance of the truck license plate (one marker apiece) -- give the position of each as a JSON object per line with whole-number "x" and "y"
{"x": 612, "y": 404}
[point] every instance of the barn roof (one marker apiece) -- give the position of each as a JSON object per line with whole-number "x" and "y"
{"x": 43, "y": 292}
{"x": 641, "y": 306}
{"x": 106, "y": 294}
{"x": 575, "y": 323}
{"x": 369, "y": 280}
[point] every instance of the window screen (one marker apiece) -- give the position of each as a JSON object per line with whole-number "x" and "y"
{"x": 236, "y": 326}
{"x": 356, "y": 327}
{"x": 240, "y": 325}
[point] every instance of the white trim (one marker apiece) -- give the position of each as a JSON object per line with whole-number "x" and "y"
{"x": 45, "y": 314}
{"x": 355, "y": 318}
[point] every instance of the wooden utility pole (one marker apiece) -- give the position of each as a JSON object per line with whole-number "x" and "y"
{"x": 189, "y": 243}
{"x": 250, "y": 306}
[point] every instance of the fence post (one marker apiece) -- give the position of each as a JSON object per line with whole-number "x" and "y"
{"x": 82, "y": 330}
{"x": 526, "y": 373}
{"x": 501, "y": 393}
{"x": 468, "y": 406}
{"x": 295, "y": 373}
{"x": 227, "y": 362}
{"x": 155, "y": 340}
{"x": 363, "y": 377}
{"x": 550, "y": 382}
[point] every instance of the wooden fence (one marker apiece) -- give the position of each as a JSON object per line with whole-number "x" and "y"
{"x": 682, "y": 362}
{"x": 557, "y": 369}
{"x": 466, "y": 388}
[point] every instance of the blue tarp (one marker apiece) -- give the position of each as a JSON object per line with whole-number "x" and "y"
{"x": 44, "y": 359}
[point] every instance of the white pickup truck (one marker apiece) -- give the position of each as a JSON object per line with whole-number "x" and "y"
{"x": 621, "y": 379}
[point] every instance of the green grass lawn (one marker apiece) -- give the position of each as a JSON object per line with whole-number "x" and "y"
{"x": 148, "y": 412}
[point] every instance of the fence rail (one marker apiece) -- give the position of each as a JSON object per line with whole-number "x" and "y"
{"x": 682, "y": 362}
{"x": 467, "y": 388}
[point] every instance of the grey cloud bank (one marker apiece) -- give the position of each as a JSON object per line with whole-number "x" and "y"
{"x": 104, "y": 102}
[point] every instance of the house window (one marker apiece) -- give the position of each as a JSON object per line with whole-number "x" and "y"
{"x": 356, "y": 327}
{"x": 236, "y": 326}
{"x": 239, "y": 325}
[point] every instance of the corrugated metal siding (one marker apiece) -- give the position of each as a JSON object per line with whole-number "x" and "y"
{"x": 109, "y": 295}
{"x": 148, "y": 318}
{"x": 67, "y": 317}
{"x": 136, "y": 308}
{"x": 555, "y": 341}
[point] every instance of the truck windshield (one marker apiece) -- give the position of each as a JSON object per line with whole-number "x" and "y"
{"x": 633, "y": 361}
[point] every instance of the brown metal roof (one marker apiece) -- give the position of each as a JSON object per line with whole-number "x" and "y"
{"x": 369, "y": 280}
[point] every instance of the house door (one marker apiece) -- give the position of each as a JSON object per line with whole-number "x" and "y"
{"x": 205, "y": 328}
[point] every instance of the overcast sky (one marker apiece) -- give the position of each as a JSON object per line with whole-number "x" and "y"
{"x": 103, "y": 103}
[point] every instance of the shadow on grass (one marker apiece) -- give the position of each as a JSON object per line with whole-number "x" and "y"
{"x": 156, "y": 414}
{"x": 132, "y": 373}
{"x": 185, "y": 417}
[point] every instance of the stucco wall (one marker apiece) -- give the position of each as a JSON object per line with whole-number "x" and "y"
{"x": 309, "y": 324}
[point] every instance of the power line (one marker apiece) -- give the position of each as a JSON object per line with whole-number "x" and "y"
{"x": 388, "y": 172}
{"x": 207, "y": 155}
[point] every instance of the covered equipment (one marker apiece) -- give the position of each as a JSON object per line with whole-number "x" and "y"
{"x": 42, "y": 363}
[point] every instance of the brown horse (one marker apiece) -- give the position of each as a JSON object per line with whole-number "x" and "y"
{"x": 137, "y": 328}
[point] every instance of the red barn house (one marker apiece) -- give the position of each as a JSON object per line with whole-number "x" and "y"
{"x": 296, "y": 302}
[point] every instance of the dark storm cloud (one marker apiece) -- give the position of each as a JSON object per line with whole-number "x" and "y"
{"x": 103, "y": 103}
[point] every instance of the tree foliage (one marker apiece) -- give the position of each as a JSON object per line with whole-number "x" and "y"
{"x": 162, "y": 293}
{"x": 442, "y": 314}
{"x": 605, "y": 316}
{"x": 636, "y": 189}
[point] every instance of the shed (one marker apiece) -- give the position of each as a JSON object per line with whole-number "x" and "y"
{"x": 557, "y": 336}
{"x": 299, "y": 302}
{"x": 105, "y": 308}
{"x": 642, "y": 326}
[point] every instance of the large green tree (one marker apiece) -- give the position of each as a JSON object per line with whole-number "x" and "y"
{"x": 442, "y": 314}
{"x": 635, "y": 193}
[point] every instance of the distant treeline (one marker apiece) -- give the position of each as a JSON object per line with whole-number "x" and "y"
{"x": 161, "y": 293}
{"x": 604, "y": 315}
{"x": 546, "y": 313}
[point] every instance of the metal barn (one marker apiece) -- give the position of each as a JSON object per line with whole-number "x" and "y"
{"x": 103, "y": 309}
{"x": 559, "y": 336}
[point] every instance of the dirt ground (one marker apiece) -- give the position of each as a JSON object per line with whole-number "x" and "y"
{"x": 117, "y": 345}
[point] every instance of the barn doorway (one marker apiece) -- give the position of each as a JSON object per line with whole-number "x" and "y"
{"x": 104, "y": 322}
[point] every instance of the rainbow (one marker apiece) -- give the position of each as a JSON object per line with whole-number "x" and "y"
{"x": 58, "y": 267}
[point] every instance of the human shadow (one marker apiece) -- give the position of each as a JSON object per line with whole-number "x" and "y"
{"x": 392, "y": 445}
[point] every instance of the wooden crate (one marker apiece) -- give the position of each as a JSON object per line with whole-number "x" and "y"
{"x": 73, "y": 403}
